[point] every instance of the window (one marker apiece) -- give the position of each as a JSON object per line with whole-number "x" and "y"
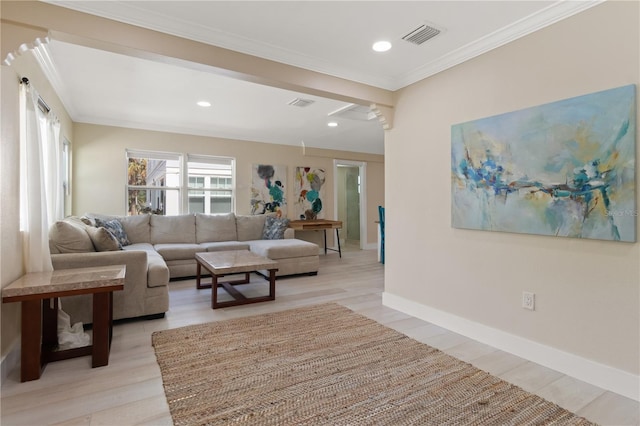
{"x": 210, "y": 184}
{"x": 196, "y": 198}
{"x": 155, "y": 183}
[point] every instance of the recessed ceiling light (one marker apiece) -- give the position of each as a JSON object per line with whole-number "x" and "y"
{"x": 332, "y": 124}
{"x": 381, "y": 46}
{"x": 204, "y": 104}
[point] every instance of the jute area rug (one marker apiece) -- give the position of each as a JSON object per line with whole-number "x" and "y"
{"x": 326, "y": 365}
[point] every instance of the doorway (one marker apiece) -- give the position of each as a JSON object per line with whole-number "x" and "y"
{"x": 350, "y": 196}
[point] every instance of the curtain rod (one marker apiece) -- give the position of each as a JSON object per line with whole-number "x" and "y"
{"x": 41, "y": 103}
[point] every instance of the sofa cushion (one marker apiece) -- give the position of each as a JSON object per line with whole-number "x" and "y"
{"x": 102, "y": 239}
{"x": 69, "y": 236}
{"x": 173, "y": 229}
{"x": 137, "y": 227}
{"x": 250, "y": 227}
{"x": 283, "y": 249}
{"x": 215, "y": 227}
{"x": 274, "y": 228}
{"x": 225, "y": 245}
{"x": 179, "y": 251}
{"x": 140, "y": 247}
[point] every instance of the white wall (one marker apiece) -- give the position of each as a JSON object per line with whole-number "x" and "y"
{"x": 587, "y": 297}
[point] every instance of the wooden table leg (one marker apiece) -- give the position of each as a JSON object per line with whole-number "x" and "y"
{"x": 101, "y": 329}
{"x": 325, "y": 241}
{"x": 31, "y": 357}
{"x": 49, "y": 324}
{"x": 110, "y": 318}
{"x": 272, "y": 284}
{"x": 214, "y": 291}
{"x": 198, "y": 271}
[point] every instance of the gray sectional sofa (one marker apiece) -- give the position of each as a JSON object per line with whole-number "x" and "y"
{"x": 158, "y": 248}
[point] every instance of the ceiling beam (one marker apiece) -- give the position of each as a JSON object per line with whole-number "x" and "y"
{"x": 92, "y": 31}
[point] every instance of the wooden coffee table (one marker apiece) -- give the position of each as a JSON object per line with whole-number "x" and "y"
{"x": 221, "y": 263}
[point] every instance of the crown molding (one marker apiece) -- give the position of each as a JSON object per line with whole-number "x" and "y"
{"x": 43, "y": 56}
{"x": 131, "y": 14}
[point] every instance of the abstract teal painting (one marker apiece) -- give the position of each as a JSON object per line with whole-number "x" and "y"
{"x": 563, "y": 169}
{"x": 268, "y": 184}
{"x": 309, "y": 190}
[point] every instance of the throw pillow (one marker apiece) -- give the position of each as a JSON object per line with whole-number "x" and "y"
{"x": 88, "y": 221}
{"x": 65, "y": 236}
{"x": 103, "y": 239}
{"x": 115, "y": 227}
{"x": 274, "y": 228}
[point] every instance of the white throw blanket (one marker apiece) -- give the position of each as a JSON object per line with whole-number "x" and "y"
{"x": 70, "y": 336}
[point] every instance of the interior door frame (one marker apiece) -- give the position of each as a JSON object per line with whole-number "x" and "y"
{"x": 362, "y": 172}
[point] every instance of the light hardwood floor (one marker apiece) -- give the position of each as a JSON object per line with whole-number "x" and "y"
{"x": 129, "y": 390}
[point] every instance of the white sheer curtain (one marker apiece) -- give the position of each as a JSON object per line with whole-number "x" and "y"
{"x": 40, "y": 188}
{"x": 52, "y": 148}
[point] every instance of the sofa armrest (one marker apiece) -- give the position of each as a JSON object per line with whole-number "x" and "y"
{"x": 131, "y": 299}
{"x": 135, "y": 261}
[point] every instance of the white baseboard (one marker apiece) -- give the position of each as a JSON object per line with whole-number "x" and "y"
{"x": 603, "y": 376}
{"x": 10, "y": 361}
{"x": 373, "y": 246}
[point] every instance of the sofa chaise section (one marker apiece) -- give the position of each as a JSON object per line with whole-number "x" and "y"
{"x": 294, "y": 257}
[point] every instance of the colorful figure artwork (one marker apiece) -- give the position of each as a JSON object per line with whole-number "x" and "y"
{"x": 564, "y": 169}
{"x": 268, "y": 189}
{"x": 309, "y": 190}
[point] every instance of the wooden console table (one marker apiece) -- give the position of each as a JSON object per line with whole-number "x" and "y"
{"x": 319, "y": 225}
{"x": 39, "y": 293}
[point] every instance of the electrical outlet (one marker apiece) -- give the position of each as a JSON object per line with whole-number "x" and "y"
{"x": 529, "y": 300}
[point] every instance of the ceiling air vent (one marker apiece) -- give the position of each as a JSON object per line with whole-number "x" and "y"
{"x": 299, "y": 102}
{"x": 421, "y": 34}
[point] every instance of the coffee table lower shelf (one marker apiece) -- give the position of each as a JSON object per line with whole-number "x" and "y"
{"x": 234, "y": 262}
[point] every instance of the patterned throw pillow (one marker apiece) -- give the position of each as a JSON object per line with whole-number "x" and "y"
{"x": 274, "y": 228}
{"x": 115, "y": 227}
